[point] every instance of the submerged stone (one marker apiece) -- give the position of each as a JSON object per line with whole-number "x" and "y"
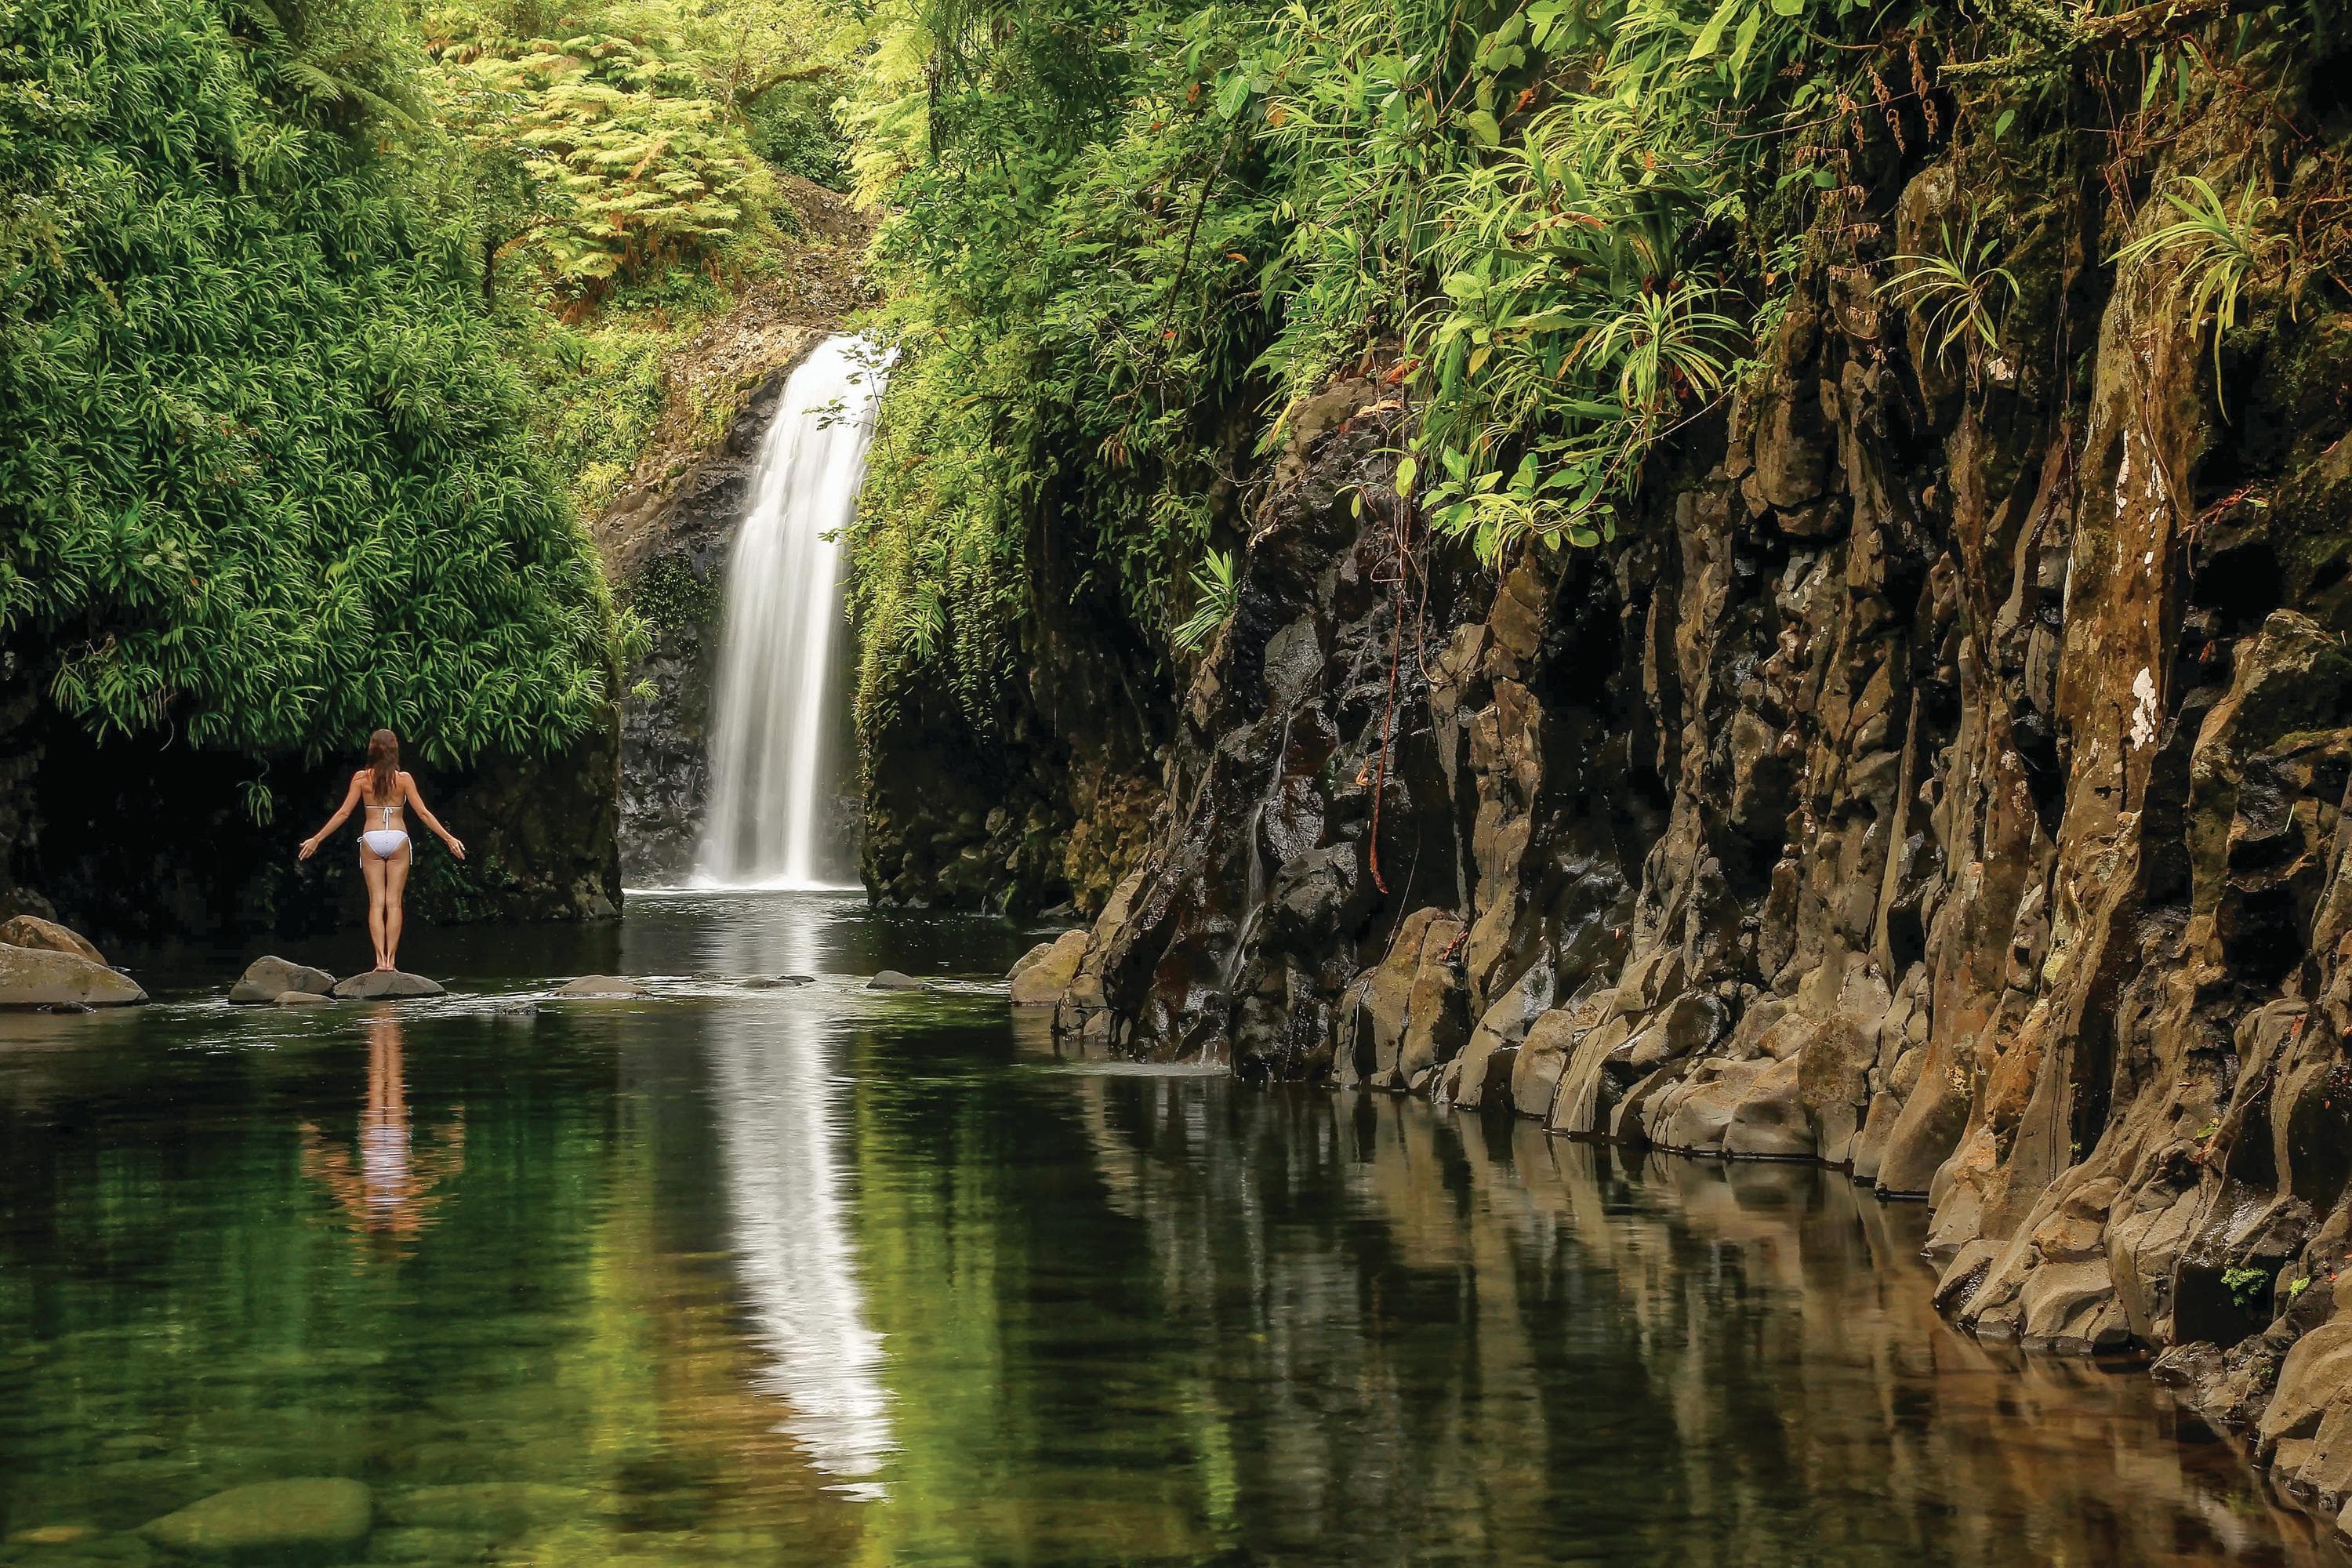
{"x": 496, "y": 1508}
{"x": 266, "y": 979}
{"x": 609, "y": 986}
{"x": 301, "y": 998}
{"x": 378, "y": 983}
{"x": 309, "y": 1516}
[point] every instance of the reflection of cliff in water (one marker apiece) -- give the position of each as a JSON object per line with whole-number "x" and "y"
{"x": 777, "y": 1103}
{"x": 1526, "y": 1344}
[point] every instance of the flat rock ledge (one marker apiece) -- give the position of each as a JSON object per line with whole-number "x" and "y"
{"x": 266, "y": 979}
{"x": 605, "y": 988}
{"x": 44, "y": 977}
{"x": 309, "y": 1516}
{"x": 377, "y": 984}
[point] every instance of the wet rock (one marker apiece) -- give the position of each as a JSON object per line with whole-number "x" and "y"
{"x": 43, "y": 977}
{"x": 310, "y": 1517}
{"x": 515, "y": 1011}
{"x": 301, "y": 998}
{"x": 607, "y": 987}
{"x": 892, "y": 980}
{"x": 31, "y": 931}
{"x": 266, "y": 979}
{"x": 380, "y": 984}
{"x": 1045, "y": 971}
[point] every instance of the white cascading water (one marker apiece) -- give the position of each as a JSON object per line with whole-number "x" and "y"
{"x": 772, "y": 763}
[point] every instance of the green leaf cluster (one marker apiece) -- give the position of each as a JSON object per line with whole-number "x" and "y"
{"x": 619, "y": 159}
{"x": 265, "y": 480}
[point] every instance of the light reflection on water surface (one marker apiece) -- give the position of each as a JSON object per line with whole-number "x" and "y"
{"x": 819, "y": 1275}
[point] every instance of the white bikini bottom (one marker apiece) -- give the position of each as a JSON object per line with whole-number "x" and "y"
{"x": 383, "y": 843}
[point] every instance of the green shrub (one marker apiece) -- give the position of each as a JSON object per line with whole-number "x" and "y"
{"x": 265, "y": 478}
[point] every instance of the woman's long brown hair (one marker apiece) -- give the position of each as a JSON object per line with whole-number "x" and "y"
{"x": 384, "y": 764}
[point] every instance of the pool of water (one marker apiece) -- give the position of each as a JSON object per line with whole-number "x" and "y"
{"x": 828, "y": 1275}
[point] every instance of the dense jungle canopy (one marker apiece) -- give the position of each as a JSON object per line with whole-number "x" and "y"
{"x": 323, "y": 322}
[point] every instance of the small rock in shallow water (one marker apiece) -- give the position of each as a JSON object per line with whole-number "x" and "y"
{"x": 515, "y": 1011}
{"x": 603, "y": 986}
{"x": 301, "y": 998}
{"x": 892, "y": 980}
{"x": 312, "y": 1514}
{"x": 374, "y": 984}
{"x": 68, "y": 1007}
{"x": 761, "y": 983}
{"x": 266, "y": 979}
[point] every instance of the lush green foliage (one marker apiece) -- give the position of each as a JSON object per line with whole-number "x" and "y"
{"x": 1118, "y": 228}
{"x": 1076, "y": 240}
{"x": 263, "y": 472}
{"x": 320, "y": 331}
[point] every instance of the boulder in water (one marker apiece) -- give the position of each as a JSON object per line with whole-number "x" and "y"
{"x": 892, "y": 980}
{"x": 1046, "y": 970}
{"x": 376, "y": 984}
{"x": 777, "y": 982}
{"x": 301, "y": 998}
{"x": 311, "y": 1516}
{"x": 609, "y": 987}
{"x": 41, "y": 977}
{"x": 266, "y": 979}
{"x": 32, "y": 931}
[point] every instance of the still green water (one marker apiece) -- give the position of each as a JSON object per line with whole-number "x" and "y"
{"x": 827, "y": 1276}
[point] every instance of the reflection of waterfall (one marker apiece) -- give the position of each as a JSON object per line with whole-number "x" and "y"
{"x": 778, "y": 1128}
{"x": 773, "y": 707}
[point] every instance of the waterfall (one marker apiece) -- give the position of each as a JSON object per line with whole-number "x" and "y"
{"x": 773, "y": 710}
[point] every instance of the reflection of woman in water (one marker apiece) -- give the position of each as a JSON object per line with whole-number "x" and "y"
{"x": 388, "y": 795}
{"x": 390, "y": 1191}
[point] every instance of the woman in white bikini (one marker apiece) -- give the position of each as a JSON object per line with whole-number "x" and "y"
{"x": 385, "y": 794}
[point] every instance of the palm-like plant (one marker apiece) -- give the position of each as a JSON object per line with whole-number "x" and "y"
{"x": 2217, "y": 251}
{"x": 1665, "y": 342}
{"x": 1217, "y": 588}
{"x": 1960, "y": 293}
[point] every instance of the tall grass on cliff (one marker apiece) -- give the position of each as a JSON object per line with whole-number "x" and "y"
{"x": 264, "y": 478}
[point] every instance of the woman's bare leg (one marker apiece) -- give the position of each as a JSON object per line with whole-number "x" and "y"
{"x": 395, "y": 879}
{"x": 373, "y": 870}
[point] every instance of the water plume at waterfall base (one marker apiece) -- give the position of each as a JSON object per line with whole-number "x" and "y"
{"x": 775, "y": 705}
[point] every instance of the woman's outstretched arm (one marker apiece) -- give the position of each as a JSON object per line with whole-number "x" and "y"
{"x": 350, "y": 799}
{"x": 425, "y": 813}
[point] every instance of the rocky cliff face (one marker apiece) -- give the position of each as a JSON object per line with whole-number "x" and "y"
{"x": 1945, "y": 783}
